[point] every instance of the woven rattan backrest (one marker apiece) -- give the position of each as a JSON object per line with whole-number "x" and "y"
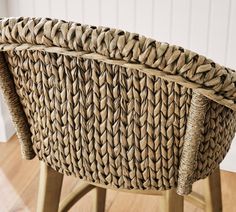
{"x": 113, "y": 107}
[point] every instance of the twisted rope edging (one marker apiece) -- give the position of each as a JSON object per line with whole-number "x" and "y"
{"x": 216, "y": 82}
{"x": 208, "y": 92}
{"x": 192, "y": 140}
{"x": 17, "y": 113}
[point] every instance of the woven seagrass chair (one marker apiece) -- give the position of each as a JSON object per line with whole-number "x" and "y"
{"x": 116, "y": 110}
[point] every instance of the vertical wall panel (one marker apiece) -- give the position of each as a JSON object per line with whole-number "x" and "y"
{"x": 75, "y": 10}
{"x": 92, "y": 12}
{"x": 13, "y": 8}
{"x": 181, "y": 23}
{"x": 144, "y": 17}
{"x": 58, "y": 9}
{"x": 199, "y": 26}
{"x": 218, "y": 28}
{"x": 231, "y": 45}
{"x": 42, "y": 8}
{"x": 109, "y": 13}
{"x": 126, "y": 15}
{"x": 6, "y": 125}
{"x": 162, "y": 15}
{"x": 26, "y": 8}
{"x": 3, "y": 8}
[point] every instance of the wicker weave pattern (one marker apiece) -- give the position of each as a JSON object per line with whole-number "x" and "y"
{"x": 219, "y": 83}
{"x": 111, "y": 125}
{"x": 113, "y": 107}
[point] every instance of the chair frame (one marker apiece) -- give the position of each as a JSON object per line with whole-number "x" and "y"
{"x": 50, "y": 185}
{"x": 208, "y": 84}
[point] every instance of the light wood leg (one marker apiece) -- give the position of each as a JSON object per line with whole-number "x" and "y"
{"x": 75, "y": 196}
{"x": 50, "y": 184}
{"x": 213, "y": 192}
{"x": 173, "y": 202}
{"x": 99, "y": 200}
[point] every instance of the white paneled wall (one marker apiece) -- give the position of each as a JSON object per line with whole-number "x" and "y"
{"x": 205, "y": 26}
{"x": 218, "y": 29}
{"x": 6, "y": 127}
{"x": 3, "y": 8}
{"x": 230, "y": 57}
{"x": 199, "y": 26}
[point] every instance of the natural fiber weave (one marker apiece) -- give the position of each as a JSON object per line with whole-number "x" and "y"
{"x": 16, "y": 110}
{"x": 192, "y": 140}
{"x": 113, "y": 107}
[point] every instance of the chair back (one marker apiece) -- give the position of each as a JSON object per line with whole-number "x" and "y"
{"x": 114, "y": 107}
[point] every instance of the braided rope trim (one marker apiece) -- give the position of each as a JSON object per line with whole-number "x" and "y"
{"x": 183, "y": 66}
{"x": 192, "y": 141}
{"x": 149, "y": 71}
{"x": 15, "y": 107}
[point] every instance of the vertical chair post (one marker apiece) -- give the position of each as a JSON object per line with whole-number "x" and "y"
{"x": 49, "y": 193}
{"x": 99, "y": 200}
{"x": 213, "y": 192}
{"x": 16, "y": 109}
{"x": 193, "y": 138}
{"x": 75, "y": 196}
{"x": 173, "y": 202}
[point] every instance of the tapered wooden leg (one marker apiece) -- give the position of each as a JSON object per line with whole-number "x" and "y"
{"x": 50, "y": 184}
{"x": 213, "y": 192}
{"x": 99, "y": 200}
{"x": 173, "y": 202}
{"x": 75, "y": 196}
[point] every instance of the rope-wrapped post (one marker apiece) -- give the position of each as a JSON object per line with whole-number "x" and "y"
{"x": 16, "y": 110}
{"x": 193, "y": 138}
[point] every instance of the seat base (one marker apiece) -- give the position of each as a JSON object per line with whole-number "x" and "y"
{"x": 51, "y": 183}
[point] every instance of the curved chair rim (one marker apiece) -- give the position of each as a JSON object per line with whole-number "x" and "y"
{"x": 131, "y": 50}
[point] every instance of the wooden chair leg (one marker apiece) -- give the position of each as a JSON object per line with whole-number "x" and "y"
{"x": 173, "y": 202}
{"x": 99, "y": 200}
{"x": 75, "y": 196}
{"x": 50, "y": 184}
{"x": 213, "y": 192}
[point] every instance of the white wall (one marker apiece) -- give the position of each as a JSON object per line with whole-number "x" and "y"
{"x": 3, "y": 8}
{"x": 6, "y": 127}
{"x": 205, "y": 26}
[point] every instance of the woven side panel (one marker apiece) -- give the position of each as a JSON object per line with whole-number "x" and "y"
{"x": 219, "y": 131}
{"x": 105, "y": 123}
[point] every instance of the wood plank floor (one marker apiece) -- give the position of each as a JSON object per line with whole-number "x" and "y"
{"x": 19, "y": 186}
